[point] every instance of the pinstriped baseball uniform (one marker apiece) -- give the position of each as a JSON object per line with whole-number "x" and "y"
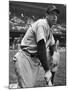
{"x": 27, "y": 67}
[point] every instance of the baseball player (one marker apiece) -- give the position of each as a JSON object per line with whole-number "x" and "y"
{"x": 34, "y": 51}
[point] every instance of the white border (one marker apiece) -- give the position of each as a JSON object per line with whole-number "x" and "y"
{"x": 45, "y": 1}
{"x": 4, "y": 42}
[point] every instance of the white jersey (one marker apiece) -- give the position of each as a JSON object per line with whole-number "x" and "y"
{"x": 36, "y": 32}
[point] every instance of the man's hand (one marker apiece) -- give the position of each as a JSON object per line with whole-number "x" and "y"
{"x": 48, "y": 76}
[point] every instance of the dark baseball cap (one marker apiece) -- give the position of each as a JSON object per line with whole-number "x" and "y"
{"x": 52, "y": 8}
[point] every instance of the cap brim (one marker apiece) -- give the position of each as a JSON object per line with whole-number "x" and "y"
{"x": 55, "y": 10}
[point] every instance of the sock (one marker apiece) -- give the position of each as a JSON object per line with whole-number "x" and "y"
{"x": 52, "y": 79}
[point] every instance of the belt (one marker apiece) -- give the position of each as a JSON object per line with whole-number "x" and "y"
{"x": 34, "y": 55}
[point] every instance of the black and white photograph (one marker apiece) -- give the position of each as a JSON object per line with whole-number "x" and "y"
{"x": 37, "y": 44}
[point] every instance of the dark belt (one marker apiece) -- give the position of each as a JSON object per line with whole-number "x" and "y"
{"x": 34, "y": 55}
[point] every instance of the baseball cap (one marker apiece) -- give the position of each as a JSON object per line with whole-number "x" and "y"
{"x": 52, "y": 8}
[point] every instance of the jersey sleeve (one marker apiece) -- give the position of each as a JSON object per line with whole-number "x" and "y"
{"x": 40, "y": 33}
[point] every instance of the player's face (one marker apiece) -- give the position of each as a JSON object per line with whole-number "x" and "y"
{"x": 53, "y": 18}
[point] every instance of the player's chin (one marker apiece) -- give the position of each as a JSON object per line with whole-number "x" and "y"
{"x": 54, "y": 22}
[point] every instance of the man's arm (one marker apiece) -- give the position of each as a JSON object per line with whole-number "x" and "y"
{"x": 42, "y": 54}
{"x": 43, "y": 59}
{"x": 52, "y": 48}
{"x": 41, "y": 46}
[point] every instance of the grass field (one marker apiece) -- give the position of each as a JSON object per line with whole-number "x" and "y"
{"x": 60, "y": 77}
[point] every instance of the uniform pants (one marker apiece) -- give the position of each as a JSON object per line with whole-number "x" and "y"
{"x": 27, "y": 68}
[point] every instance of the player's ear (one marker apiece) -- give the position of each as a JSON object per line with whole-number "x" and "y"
{"x": 46, "y": 15}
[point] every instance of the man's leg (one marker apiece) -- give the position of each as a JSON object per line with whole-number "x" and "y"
{"x": 56, "y": 58}
{"x": 26, "y": 70}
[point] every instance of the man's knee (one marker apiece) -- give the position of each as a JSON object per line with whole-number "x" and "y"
{"x": 56, "y": 57}
{"x": 56, "y": 60}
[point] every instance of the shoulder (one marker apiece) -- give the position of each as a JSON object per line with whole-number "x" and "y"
{"x": 42, "y": 22}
